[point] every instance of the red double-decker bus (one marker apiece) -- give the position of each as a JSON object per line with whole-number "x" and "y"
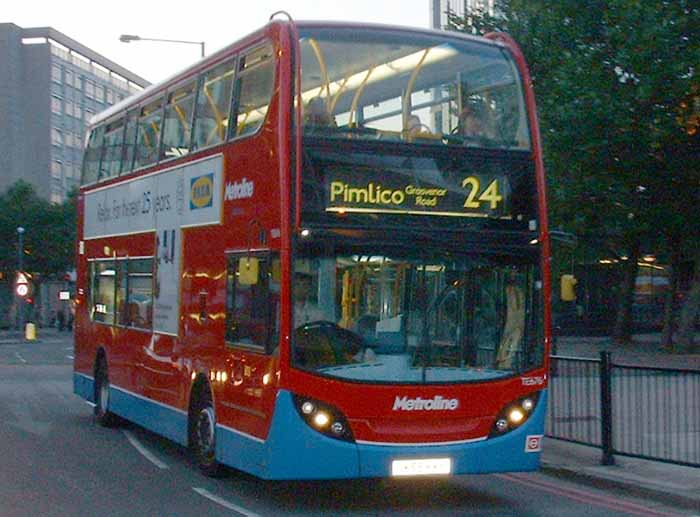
{"x": 322, "y": 252}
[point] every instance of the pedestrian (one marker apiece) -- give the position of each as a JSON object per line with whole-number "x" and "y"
{"x": 71, "y": 316}
{"x": 60, "y": 319}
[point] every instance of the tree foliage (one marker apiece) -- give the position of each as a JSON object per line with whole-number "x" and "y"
{"x": 49, "y": 238}
{"x": 617, "y": 84}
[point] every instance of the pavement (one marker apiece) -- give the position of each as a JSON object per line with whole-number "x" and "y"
{"x": 43, "y": 335}
{"x": 665, "y": 482}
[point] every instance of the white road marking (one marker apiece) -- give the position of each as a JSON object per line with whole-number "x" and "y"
{"x": 223, "y": 502}
{"x": 20, "y": 358}
{"x": 70, "y": 357}
{"x": 144, "y": 452}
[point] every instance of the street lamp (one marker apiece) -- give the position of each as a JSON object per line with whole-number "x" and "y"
{"x": 128, "y": 38}
{"x": 20, "y": 269}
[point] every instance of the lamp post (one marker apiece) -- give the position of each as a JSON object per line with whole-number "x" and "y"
{"x": 128, "y": 38}
{"x": 20, "y": 269}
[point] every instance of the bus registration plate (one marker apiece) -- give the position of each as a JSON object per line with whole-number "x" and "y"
{"x": 422, "y": 467}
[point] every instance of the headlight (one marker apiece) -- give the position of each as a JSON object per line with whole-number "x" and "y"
{"x": 323, "y": 418}
{"x": 514, "y": 415}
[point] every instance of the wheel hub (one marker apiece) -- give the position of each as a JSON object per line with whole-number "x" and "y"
{"x": 104, "y": 396}
{"x": 206, "y": 425}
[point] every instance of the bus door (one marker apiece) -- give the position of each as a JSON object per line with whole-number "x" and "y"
{"x": 138, "y": 294}
{"x": 161, "y": 374}
{"x": 252, "y": 335}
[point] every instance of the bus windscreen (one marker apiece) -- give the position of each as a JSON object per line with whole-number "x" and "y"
{"x": 414, "y": 318}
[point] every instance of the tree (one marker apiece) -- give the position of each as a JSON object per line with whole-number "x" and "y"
{"x": 610, "y": 78}
{"x": 49, "y": 239}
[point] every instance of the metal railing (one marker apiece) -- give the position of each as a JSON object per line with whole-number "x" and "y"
{"x": 644, "y": 412}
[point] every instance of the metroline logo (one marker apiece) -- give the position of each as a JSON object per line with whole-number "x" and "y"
{"x": 437, "y": 403}
{"x": 239, "y": 190}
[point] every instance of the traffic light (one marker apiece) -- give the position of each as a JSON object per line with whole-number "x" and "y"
{"x": 23, "y": 286}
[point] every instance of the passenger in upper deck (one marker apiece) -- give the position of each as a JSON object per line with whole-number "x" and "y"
{"x": 474, "y": 121}
{"x": 414, "y": 126}
{"x": 317, "y": 114}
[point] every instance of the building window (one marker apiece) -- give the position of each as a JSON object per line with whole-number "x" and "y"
{"x": 89, "y": 89}
{"x": 109, "y": 96}
{"x": 56, "y": 74}
{"x": 59, "y": 52}
{"x": 56, "y": 137}
{"x": 68, "y": 77}
{"x": 56, "y": 105}
{"x": 56, "y": 169}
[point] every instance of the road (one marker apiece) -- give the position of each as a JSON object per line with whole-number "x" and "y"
{"x": 56, "y": 461}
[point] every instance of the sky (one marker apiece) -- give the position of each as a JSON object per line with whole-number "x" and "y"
{"x": 98, "y": 24}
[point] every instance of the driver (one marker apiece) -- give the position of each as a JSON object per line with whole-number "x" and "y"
{"x": 306, "y": 309}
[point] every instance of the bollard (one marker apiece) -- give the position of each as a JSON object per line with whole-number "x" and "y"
{"x": 30, "y": 332}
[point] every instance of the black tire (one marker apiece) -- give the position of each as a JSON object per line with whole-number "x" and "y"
{"x": 203, "y": 435}
{"x": 103, "y": 416}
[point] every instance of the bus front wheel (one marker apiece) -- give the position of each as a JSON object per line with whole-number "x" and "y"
{"x": 203, "y": 435}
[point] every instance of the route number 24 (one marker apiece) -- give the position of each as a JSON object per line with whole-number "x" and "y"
{"x": 491, "y": 194}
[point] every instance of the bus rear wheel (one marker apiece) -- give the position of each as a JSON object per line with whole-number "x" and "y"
{"x": 103, "y": 416}
{"x": 203, "y": 435}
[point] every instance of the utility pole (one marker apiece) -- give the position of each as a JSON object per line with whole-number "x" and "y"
{"x": 20, "y": 269}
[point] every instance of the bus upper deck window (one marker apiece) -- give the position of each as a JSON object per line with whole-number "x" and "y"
{"x": 112, "y": 149}
{"x": 256, "y": 72}
{"x": 148, "y": 141}
{"x": 213, "y": 101}
{"x": 91, "y": 161}
{"x": 177, "y": 122}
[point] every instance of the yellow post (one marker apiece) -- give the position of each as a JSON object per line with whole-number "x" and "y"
{"x": 30, "y": 332}
{"x": 568, "y": 288}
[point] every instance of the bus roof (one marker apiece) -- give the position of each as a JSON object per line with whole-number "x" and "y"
{"x": 220, "y": 55}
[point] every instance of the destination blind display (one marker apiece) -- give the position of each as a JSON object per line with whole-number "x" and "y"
{"x": 364, "y": 192}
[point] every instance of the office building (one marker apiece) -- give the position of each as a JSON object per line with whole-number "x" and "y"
{"x": 439, "y": 8}
{"x": 50, "y": 87}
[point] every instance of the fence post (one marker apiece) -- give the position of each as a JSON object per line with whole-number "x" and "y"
{"x": 606, "y": 434}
